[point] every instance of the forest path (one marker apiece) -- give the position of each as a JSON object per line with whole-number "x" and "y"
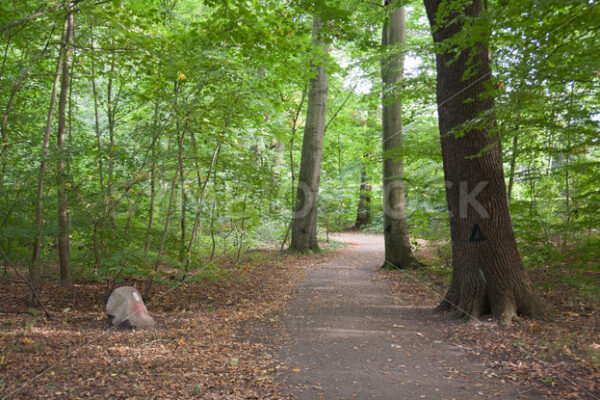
{"x": 350, "y": 338}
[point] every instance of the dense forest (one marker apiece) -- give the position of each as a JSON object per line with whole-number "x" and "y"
{"x": 149, "y": 140}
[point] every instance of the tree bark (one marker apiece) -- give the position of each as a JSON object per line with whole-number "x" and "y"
{"x": 63, "y": 217}
{"x": 363, "y": 215}
{"x": 34, "y": 267}
{"x": 398, "y": 253}
{"x": 513, "y": 165}
{"x": 304, "y": 224}
{"x": 212, "y": 216}
{"x": 488, "y": 274}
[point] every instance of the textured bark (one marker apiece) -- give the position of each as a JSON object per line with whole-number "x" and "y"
{"x": 304, "y": 225}
{"x": 363, "y": 215}
{"x": 64, "y": 247}
{"x": 488, "y": 274}
{"x": 398, "y": 253}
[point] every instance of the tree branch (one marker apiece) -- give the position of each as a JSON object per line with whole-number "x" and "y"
{"x": 340, "y": 107}
{"x": 33, "y": 290}
{"x": 32, "y": 16}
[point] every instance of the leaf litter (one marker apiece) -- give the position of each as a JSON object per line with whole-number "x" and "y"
{"x": 211, "y": 340}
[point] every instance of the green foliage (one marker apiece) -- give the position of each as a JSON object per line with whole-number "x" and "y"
{"x": 232, "y": 75}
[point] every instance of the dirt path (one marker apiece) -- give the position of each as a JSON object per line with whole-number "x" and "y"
{"x": 350, "y": 339}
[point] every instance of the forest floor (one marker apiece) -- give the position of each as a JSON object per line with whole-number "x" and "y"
{"x": 278, "y": 326}
{"x": 199, "y": 348}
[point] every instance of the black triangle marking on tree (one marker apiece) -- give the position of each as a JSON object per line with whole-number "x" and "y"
{"x": 476, "y": 234}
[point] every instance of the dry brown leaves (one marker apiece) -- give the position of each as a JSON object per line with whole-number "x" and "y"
{"x": 205, "y": 345}
{"x": 560, "y": 358}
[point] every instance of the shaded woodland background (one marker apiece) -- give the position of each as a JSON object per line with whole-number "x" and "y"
{"x": 182, "y": 130}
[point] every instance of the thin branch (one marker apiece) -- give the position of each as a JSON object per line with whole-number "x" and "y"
{"x": 35, "y": 293}
{"x": 375, "y": 4}
{"x": 340, "y": 107}
{"x": 37, "y": 14}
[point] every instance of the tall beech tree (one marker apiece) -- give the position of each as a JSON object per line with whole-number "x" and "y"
{"x": 64, "y": 246}
{"x": 304, "y": 225}
{"x": 398, "y": 253}
{"x": 488, "y": 274}
{"x": 34, "y": 265}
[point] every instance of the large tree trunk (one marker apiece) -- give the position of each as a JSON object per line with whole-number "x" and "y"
{"x": 488, "y": 274}
{"x": 363, "y": 215}
{"x": 64, "y": 247}
{"x": 34, "y": 267}
{"x": 304, "y": 224}
{"x": 398, "y": 253}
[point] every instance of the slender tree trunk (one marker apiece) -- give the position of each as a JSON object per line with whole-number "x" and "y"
{"x": 96, "y": 245}
{"x": 170, "y": 206}
{"x": 363, "y": 215}
{"x": 279, "y": 148}
{"x": 488, "y": 273}
{"x": 304, "y": 225}
{"x": 212, "y": 216}
{"x": 97, "y": 222}
{"x": 111, "y": 130}
{"x": 398, "y": 253}
{"x": 567, "y": 187}
{"x": 6, "y": 47}
{"x": 97, "y": 118}
{"x": 200, "y": 200}
{"x": 550, "y": 150}
{"x": 111, "y": 105}
{"x": 128, "y": 223}
{"x": 240, "y": 244}
{"x": 152, "y": 197}
{"x": 64, "y": 247}
{"x": 182, "y": 251}
{"x": 163, "y": 238}
{"x": 152, "y": 183}
{"x": 34, "y": 267}
{"x": 513, "y": 164}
